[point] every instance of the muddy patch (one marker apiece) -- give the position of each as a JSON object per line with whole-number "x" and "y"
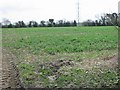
{"x": 51, "y": 69}
{"x": 56, "y": 65}
{"x": 10, "y": 74}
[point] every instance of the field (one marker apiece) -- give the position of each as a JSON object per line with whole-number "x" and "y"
{"x": 64, "y": 57}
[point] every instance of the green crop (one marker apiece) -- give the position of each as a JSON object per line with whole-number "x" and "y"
{"x": 52, "y": 57}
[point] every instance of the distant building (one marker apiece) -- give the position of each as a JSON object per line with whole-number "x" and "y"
{"x": 119, "y": 7}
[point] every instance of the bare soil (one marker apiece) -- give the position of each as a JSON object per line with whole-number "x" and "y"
{"x": 110, "y": 62}
{"x": 10, "y": 74}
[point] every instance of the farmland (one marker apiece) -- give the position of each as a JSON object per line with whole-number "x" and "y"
{"x": 64, "y": 56}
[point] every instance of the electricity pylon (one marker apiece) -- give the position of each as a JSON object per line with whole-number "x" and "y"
{"x": 119, "y": 7}
{"x": 78, "y": 13}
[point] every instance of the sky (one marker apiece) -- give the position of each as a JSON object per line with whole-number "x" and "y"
{"x": 38, "y": 10}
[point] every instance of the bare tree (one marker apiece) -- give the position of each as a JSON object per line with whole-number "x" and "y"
{"x": 114, "y": 18}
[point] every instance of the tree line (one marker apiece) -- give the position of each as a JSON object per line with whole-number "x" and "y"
{"x": 104, "y": 20}
{"x": 51, "y": 23}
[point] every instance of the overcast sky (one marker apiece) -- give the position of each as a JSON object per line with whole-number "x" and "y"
{"x": 38, "y": 10}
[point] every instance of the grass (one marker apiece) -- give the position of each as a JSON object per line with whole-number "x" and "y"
{"x": 39, "y": 49}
